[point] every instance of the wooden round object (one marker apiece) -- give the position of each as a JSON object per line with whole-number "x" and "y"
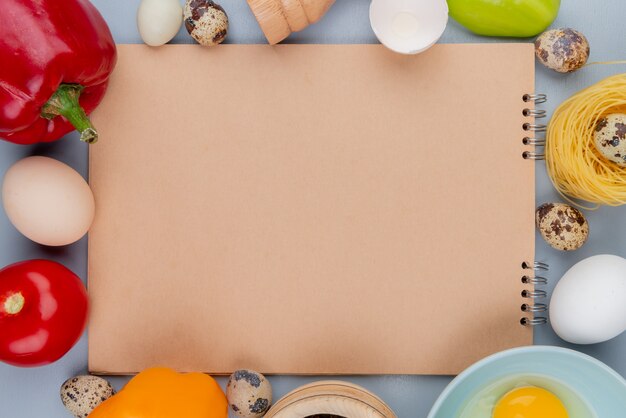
{"x": 278, "y": 18}
{"x": 330, "y": 398}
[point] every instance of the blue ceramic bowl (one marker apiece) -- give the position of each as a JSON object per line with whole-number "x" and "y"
{"x": 560, "y": 370}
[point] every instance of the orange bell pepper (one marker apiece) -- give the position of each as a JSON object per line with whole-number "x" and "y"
{"x": 163, "y": 393}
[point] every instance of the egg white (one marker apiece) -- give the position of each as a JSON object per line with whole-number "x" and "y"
{"x": 482, "y": 402}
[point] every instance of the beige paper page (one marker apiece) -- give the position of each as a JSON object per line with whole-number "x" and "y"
{"x": 310, "y": 209}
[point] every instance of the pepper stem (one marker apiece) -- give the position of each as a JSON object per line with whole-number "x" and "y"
{"x": 14, "y": 304}
{"x": 64, "y": 102}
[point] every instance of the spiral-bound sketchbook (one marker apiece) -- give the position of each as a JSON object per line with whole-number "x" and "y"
{"x": 311, "y": 209}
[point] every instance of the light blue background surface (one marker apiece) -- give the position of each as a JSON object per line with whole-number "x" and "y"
{"x": 26, "y": 393}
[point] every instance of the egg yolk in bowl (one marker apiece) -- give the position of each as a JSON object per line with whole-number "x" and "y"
{"x": 529, "y": 402}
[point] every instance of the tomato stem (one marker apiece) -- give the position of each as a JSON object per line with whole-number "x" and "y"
{"x": 14, "y": 303}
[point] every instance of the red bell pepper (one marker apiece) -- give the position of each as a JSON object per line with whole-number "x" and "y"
{"x": 43, "y": 312}
{"x": 55, "y": 61}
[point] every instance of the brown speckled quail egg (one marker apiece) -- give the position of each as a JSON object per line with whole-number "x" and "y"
{"x": 610, "y": 138}
{"x": 562, "y": 50}
{"x": 249, "y": 393}
{"x": 562, "y": 226}
{"x": 206, "y": 21}
{"x": 82, "y": 394}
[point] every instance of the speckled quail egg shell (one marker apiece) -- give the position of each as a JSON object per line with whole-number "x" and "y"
{"x": 205, "y": 21}
{"x": 82, "y": 394}
{"x": 610, "y": 138}
{"x": 562, "y": 226}
{"x": 249, "y": 393}
{"x": 562, "y": 50}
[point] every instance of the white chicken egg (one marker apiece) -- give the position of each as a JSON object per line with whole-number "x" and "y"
{"x": 588, "y": 305}
{"x": 159, "y": 21}
{"x": 47, "y": 201}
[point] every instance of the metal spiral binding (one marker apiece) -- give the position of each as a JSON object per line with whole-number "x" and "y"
{"x": 537, "y": 280}
{"x": 534, "y": 280}
{"x": 534, "y": 294}
{"x": 535, "y": 113}
{"x": 537, "y": 98}
{"x": 532, "y": 155}
{"x": 535, "y": 142}
{"x": 537, "y": 265}
{"x": 534, "y": 127}
{"x": 537, "y": 307}
{"x": 533, "y": 322}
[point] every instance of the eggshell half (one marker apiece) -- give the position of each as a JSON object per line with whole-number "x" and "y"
{"x": 408, "y": 27}
{"x": 48, "y": 201}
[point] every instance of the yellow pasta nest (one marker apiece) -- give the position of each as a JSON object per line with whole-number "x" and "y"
{"x": 576, "y": 168}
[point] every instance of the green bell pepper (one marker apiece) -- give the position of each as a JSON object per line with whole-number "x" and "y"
{"x": 511, "y": 18}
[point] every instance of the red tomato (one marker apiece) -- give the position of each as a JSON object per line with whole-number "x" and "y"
{"x": 43, "y": 312}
